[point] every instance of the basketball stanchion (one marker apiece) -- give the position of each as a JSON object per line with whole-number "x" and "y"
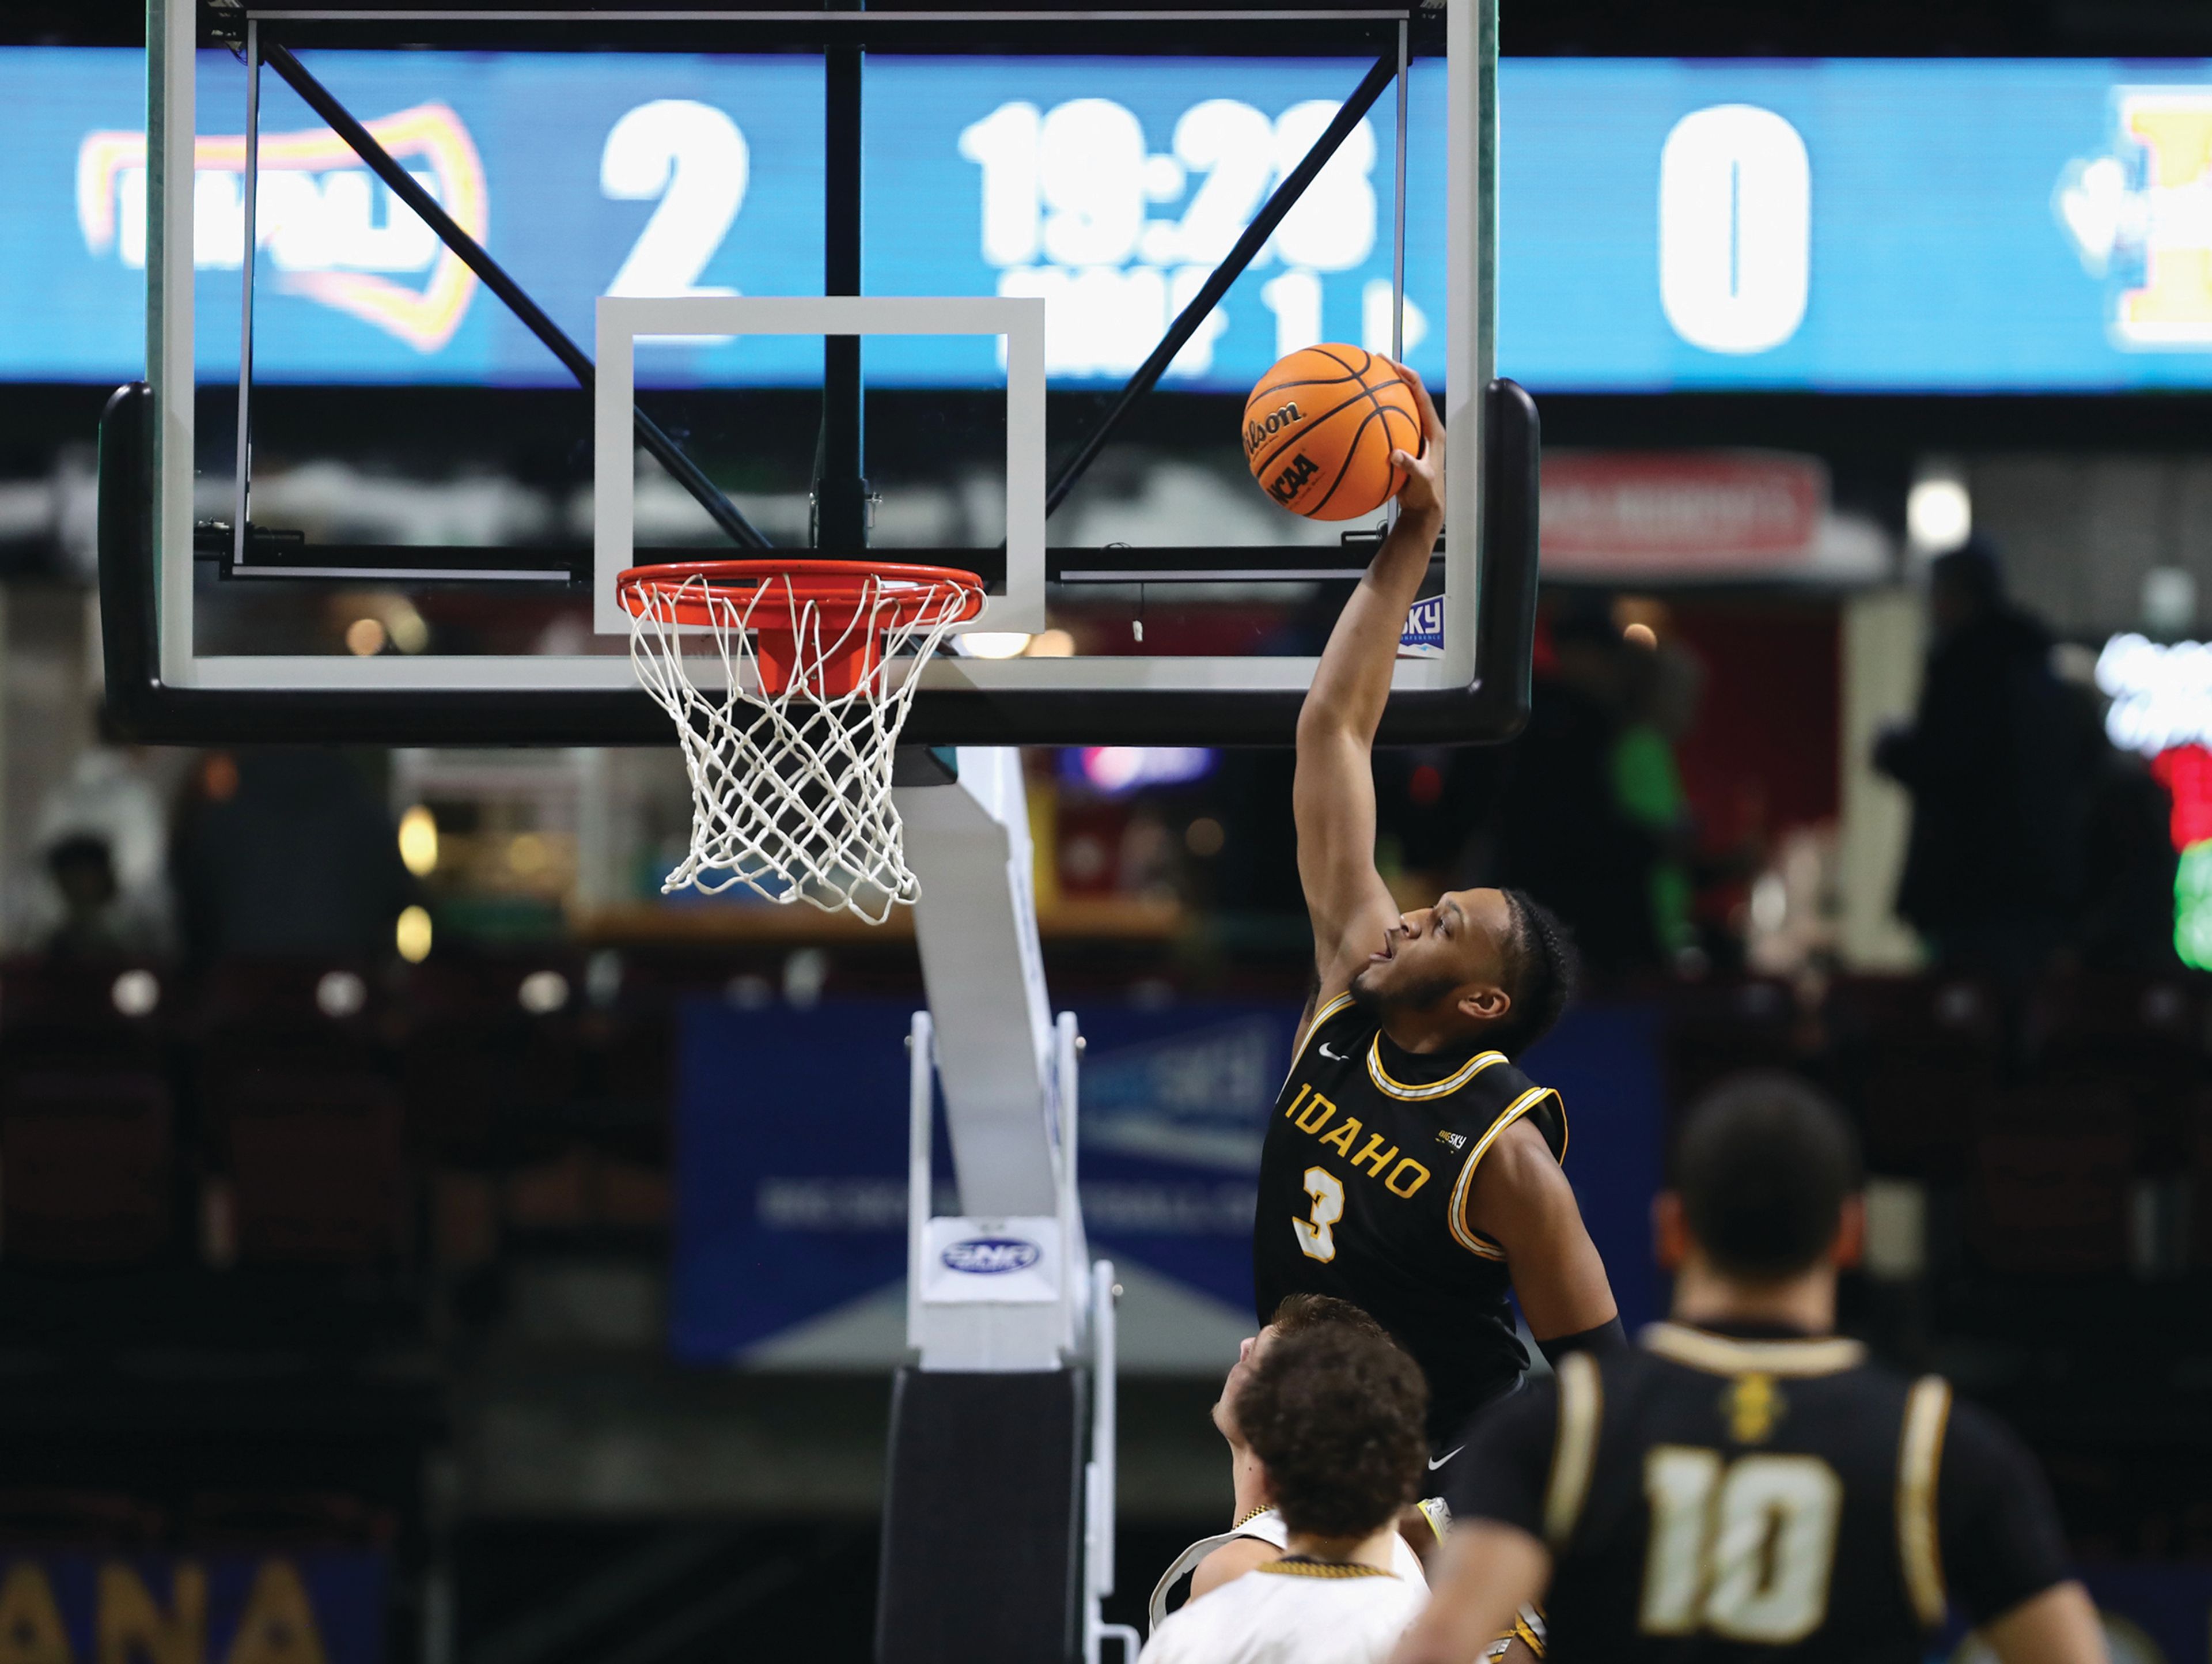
{"x": 789, "y": 744}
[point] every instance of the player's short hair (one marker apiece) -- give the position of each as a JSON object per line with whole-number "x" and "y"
{"x": 1541, "y": 971}
{"x": 1335, "y": 1414}
{"x": 1763, "y": 1165}
{"x": 1299, "y": 1313}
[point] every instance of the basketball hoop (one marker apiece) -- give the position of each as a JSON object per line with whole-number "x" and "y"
{"x": 790, "y": 750}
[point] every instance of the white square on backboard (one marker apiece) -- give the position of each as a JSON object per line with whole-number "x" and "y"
{"x": 1021, "y": 321}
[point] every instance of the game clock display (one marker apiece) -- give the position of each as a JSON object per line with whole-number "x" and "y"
{"x": 1846, "y": 224}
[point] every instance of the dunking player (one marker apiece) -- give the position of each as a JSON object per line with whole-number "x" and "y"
{"x": 1745, "y": 1483}
{"x": 1410, "y": 1167}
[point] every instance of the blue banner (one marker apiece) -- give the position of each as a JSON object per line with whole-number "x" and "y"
{"x": 1947, "y": 226}
{"x": 792, "y": 1191}
{"x": 312, "y": 1607}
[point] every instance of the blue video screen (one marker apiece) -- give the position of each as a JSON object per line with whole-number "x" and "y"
{"x": 1848, "y": 225}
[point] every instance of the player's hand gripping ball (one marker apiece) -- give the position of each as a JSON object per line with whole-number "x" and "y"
{"x": 1320, "y": 427}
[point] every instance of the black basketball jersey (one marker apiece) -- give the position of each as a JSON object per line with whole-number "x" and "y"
{"x": 1717, "y": 1498}
{"x": 1363, "y": 1195}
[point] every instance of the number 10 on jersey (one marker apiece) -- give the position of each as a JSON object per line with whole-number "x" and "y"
{"x": 1742, "y": 1548}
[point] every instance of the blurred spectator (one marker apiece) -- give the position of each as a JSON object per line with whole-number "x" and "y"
{"x": 1662, "y": 687}
{"x": 1997, "y": 761}
{"x": 100, "y": 836}
{"x": 285, "y": 851}
{"x": 98, "y": 921}
{"x": 1567, "y": 837}
{"x": 2128, "y": 867}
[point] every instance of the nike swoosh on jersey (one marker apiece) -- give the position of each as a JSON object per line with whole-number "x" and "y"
{"x": 1435, "y": 1462}
{"x": 1334, "y": 1056}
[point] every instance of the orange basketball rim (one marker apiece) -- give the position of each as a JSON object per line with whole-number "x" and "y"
{"x": 824, "y": 620}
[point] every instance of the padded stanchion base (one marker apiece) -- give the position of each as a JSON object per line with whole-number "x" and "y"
{"x": 982, "y": 1519}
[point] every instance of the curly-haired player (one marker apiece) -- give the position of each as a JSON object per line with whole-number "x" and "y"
{"x": 1333, "y": 1419}
{"x": 1256, "y": 1532}
{"x": 1410, "y": 1167}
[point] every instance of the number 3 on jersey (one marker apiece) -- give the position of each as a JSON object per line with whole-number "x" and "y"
{"x": 1315, "y": 1241}
{"x": 1752, "y": 1566}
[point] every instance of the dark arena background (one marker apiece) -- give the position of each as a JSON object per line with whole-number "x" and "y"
{"x": 422, "y": 1241}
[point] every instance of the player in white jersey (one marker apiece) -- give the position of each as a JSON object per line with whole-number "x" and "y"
{"x": 1256, "y": 1532}
{"x": 1332, "y": 1420}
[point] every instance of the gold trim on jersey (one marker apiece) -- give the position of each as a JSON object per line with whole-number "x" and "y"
{"x": 1438, "y": 1513}
{"x": 1724, "y": 1355}
{"x": 1294, "y": 1566}
{"x": 1414, "y": 1094}
{"x": 1472, "y": 1240}
{"x": 1299, "y": 1051}
{"x": 1574, "y": 1451}
{"x": 1529, "y": 1629}
{"x": 1919, "y": 1458}
{"x": 1251, "y": 1514}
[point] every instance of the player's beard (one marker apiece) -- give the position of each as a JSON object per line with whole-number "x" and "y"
{"x": 1382, "y": 1003}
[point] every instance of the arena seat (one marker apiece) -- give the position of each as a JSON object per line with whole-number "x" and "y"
{"x": 318, "y": 1169}
{"x": 291, "y": 1520}
{"x": 2043, "y": 1201}
{"x": 50, "y": 1517}
{"x": 70, "y": 1015}
{"x": 85, "y": 1166}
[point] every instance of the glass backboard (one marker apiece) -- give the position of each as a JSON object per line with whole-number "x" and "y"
{"x": 529, "y": 300}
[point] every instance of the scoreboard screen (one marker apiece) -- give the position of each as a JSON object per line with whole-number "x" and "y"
{"x": 1849, "y": 225}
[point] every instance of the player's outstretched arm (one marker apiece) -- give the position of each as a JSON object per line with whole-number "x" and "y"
{"x": 1334, "y": 798}
{"x": 1521, "y": 1201}
{"x": 2058, "y": 1626}
{"x": 1491, "y": 1570}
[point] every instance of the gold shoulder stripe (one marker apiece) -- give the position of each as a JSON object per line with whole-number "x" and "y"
{"x": 1919, "y": 1460}
{"x": 1574, "y": 1452}
{"x": 1438, "y": 1513}
{"x": 1724, "y": 1355}
{"x": 1444, "y": 1089}
{"x": 1463, "y": 1233}
{"x": 1319, "y": 1017}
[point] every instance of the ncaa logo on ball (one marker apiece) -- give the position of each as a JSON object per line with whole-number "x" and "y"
{"x": 991, "y": 1256}
{"x": 1284, "y": 487}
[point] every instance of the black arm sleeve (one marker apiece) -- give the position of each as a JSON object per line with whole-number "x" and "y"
{"x": 1608, "y": 1336}
{"x": 2001, "y": 1542}
{"x": 1506, "y": 1468}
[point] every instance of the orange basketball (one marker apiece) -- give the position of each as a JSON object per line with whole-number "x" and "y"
{"x": 1320, "y": 427}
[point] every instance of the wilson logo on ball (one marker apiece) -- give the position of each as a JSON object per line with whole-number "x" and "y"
{"x": 1320, "y": 429}
{"x": 1258, "y": 433}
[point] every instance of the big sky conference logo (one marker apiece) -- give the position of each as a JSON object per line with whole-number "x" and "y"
{"x": 334, "y": 232}
{"x": 2140, "y": 215}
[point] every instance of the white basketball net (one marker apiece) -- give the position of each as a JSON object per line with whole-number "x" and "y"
{"x": 791, "y": 790}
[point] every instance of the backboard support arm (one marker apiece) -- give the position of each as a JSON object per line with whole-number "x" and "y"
{"x": 1246, "y": 249}
{"x": 681, "y": 468}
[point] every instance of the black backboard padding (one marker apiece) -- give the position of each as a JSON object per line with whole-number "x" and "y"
{"x": 983, "y": 1519}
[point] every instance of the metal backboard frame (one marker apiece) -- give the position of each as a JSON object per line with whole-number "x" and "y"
{"x": 163, "y": 689}
{"x": 1020, "y": 323}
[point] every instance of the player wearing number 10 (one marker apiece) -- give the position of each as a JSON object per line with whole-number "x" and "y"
{"x": 1746, "y": 1482}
